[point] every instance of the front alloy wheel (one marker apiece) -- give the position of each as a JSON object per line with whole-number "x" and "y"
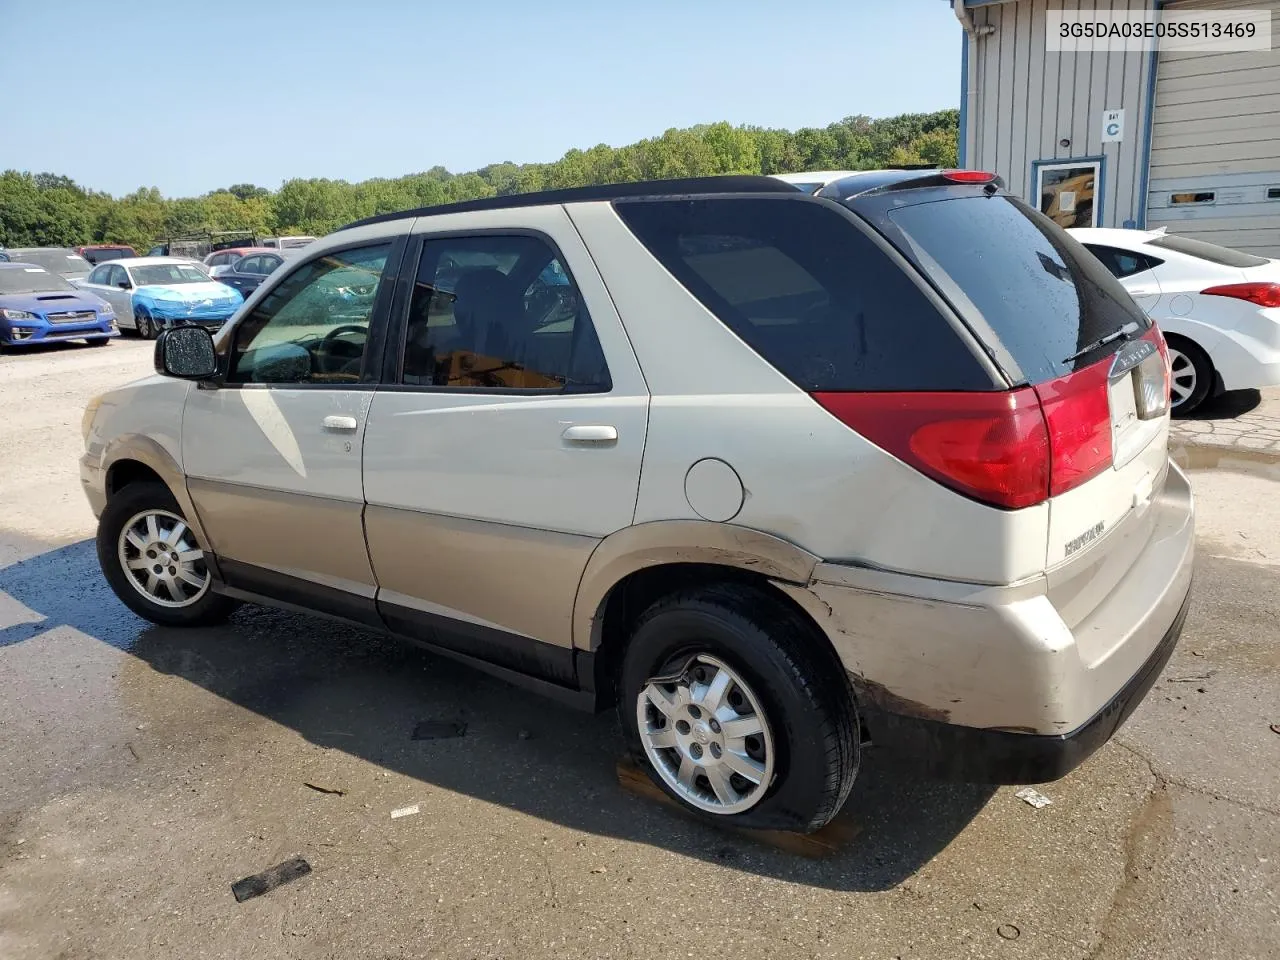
{"x": 707, "y": 736}
{"x": 162, "y": 560}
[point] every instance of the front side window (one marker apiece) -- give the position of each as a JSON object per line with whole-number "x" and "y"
{"x": 116, "y": 275}
{"x": 100, "y": 275}
{"x": 314, "y": 325}
{"x": 248, "y": 265}
{"x": 499, "y": 312}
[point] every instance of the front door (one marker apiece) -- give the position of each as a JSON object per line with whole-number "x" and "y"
{"x": 505, "y": 447}
{"x": 272, "y": 455}
{"x": 104, "y": 281}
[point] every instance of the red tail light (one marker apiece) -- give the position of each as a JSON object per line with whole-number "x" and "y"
{"x": 968, "y": 176}
{"x": 1263, "y": 294}
{"x": 1011, "y": 449}
{"x": 993, "y": 447}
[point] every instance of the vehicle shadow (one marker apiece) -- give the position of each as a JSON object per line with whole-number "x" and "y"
{"x": 1226, "y": 406}
{"x": 362, "y": 693}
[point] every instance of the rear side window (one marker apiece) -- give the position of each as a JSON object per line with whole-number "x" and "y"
{"x": 1122, "y": 263}
{"x": 1019, "y": 278}
{"x": 1223, "y": 256}
{"x": 808, "y": 291}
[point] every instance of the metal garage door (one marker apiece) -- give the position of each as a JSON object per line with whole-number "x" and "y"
{"x": 1215, "y": 146}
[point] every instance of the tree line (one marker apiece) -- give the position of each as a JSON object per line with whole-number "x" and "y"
{"x": 47, "y": 209}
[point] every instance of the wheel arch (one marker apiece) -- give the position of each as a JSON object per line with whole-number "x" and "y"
{"x": 634, "y": 567}
{"x": 136, "y": 458}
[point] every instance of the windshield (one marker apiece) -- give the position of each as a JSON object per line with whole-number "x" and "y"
{"x": 1023, "y": 285}
{"x": 66, "y": 263}
{"x": 18, "y": 279}
{"x": 1223, "y": 256}
{"x": 167, "y": 273}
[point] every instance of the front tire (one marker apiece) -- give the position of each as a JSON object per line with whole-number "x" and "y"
{"x": 738, "y": 711}
{"x": 1192, "y": 375}
{"x": 152, "y": 561}
{"x": 146, "y": 326}
{"x": 99, "y": 341}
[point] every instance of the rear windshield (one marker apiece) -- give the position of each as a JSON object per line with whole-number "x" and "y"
{"x": 1019, "y": 280}
{"x": 66, "y": 263}
{"x": 1223, "y": 256}
{"x": 19, "y": 279}
{"x": 807, "y": 290}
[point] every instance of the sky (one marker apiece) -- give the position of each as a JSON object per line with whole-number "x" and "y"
{"x": 189, "y": 97}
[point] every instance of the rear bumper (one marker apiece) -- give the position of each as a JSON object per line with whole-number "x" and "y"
{"x": 999, "y": 756}
{"x": 1022, "y": 681}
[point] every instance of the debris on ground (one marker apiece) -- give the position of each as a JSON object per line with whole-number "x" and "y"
{"x": 439, "y": 730}
{"x": 1033, "y": 797}
{"x": 1008, "y": 931}
{"x": 1196, "y": 679}
{"x": 268, "y": 880}
{"x": 599, "y": 869}
{"x": 132, "y": 751}
{"x": 1275, "y": 728}
{"x": 408, "y": 811}
{"x": 320, "y": 789}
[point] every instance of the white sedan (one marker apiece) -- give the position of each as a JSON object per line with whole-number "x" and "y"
{"x": 1218, "y": 308}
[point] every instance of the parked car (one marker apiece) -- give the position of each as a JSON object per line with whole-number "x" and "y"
{"x": 250, "y": 270}
{"x": 37, "y": 306}
{"x": 106, "y": 251}
{"x": 221, "y": 260}
{"x": 63, "y": 261}
{"x": 1219, "y": 308}
{"x": 288, "y": 243}
{"x": 4, "y": 257}
{"x": 151, "y": 293}
{"x": 770, "y": 471}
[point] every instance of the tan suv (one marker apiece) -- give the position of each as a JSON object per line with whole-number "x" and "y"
{"x": 763, "y": 467}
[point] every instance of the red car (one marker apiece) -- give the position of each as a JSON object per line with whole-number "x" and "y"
{"x": 105, "y": 251}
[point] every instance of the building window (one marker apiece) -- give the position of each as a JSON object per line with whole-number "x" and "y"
{"x": 1067, "y": 192}
{"x": 1201, "y": 196}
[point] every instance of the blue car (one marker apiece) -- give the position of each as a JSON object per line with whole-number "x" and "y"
{"x": 152, "y": 293}
{"x": 37, "y": 306}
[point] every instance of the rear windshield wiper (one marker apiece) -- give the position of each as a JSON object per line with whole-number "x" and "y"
{"x": 1124, "y": 333}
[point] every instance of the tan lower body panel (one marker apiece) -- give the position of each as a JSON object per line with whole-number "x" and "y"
{"x": 516, "y": 579}
{"x": 312, "y": 538}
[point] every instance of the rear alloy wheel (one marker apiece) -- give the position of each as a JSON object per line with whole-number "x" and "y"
{"x": 146, "y": 327}
{"x": 1191, "y": 375}
{"x": 738, "y": 709}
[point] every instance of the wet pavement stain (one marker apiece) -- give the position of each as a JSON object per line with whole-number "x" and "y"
{"x": 1257, "y": 463}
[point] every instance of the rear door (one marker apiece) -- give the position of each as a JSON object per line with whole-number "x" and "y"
{"x": 507, "y": 441}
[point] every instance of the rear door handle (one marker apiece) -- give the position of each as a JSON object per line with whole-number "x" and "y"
{"x": 340, "y": 423}
{"x": 584, "y": 433}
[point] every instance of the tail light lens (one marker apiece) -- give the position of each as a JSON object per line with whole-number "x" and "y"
{"x": 1263, "y": 294}
{"x": 1010, "y": 449}
{"x": 993, "y": 447}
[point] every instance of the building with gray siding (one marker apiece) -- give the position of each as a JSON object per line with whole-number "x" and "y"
{"x": 1200, "y": 144}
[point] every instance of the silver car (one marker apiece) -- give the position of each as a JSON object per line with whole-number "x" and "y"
{"x": 775, "y": 472}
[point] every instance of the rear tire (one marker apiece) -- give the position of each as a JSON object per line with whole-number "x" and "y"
{"x": 1192, "y": 375}
{"x": 784, "y": 705}
{"x": 131, "y": 548}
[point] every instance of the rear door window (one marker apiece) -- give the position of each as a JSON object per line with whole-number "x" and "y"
{"x": 1017, "y": 277}
{"x": 809, "y": 291}
{"x": 1122, "y": 263}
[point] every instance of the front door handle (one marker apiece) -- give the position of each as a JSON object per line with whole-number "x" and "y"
{"x": 584, "y": 433}
{"x": 340, "y": 423}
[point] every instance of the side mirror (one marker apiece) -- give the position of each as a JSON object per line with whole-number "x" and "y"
{"x": 186, "y": 353}
{"x": 123, "y": 284}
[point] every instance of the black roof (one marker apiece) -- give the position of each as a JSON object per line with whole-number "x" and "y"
{"x": 608, "y": 191}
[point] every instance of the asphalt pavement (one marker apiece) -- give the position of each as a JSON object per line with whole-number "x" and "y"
{"x": 144, "y": 770}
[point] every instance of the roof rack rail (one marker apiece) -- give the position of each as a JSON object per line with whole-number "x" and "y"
{"x": 609, "y": 191}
